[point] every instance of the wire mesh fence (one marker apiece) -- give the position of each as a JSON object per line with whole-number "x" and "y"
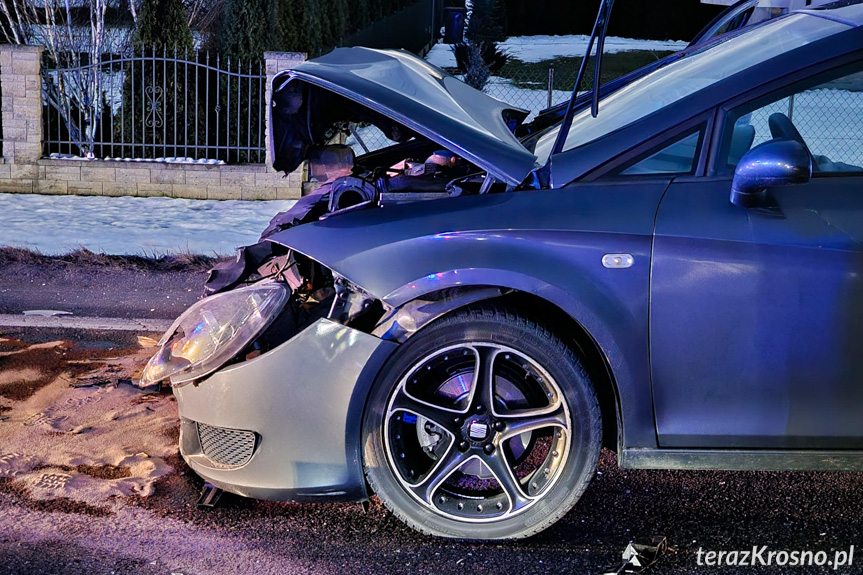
{"x": 829, "y": 120}
{"x": 532, "y": 89}
{"x": 156, "y": 105}
{"x": 365, "y": 138}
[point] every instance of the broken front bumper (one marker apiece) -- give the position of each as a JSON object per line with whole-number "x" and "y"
{"x": 286, "y": 425}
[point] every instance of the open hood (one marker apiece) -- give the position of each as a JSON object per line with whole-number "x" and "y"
{"x": 426, "y": 100}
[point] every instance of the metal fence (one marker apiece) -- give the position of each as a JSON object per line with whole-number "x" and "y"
{"x": 156, "y": 105}
{"x": 532, "y": 89}
{"x": 829, "y": 119}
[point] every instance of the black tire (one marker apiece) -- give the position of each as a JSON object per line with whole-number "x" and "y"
{"x": 426, "y": 424}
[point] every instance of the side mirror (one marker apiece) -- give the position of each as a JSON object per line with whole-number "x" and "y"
{"x": 773, "y": 163}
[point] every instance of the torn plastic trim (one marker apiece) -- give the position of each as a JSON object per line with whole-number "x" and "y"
{"x": 396, "y": 324}
{"x": 336, "y": 273}
{"x": 351, "y": 302}
{"x": 402, "y": 322}
{"x": 637, "y": 557}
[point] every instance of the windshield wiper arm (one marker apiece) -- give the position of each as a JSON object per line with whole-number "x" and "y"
{"x": 600, "y": 28}
{"x": 600, "y": 48}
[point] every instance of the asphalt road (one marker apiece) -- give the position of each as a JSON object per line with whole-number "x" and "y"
{"x": 165, "y": 533}
{"x": 120, "y": 292}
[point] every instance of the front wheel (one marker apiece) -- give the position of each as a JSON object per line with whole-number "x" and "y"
{"x": 484, "y": 425}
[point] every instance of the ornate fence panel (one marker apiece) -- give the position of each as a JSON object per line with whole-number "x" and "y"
{"x": 160, "y": 105}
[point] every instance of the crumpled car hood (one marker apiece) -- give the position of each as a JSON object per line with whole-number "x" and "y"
{"x": 442, "y": 108}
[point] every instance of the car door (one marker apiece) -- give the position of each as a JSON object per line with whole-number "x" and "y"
{"x": 756, "y": 314}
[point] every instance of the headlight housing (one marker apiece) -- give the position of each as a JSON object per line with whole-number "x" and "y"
{"x": 213, "y": 331}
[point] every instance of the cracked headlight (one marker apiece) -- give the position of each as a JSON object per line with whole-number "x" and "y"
{"x": 213, "y": 331}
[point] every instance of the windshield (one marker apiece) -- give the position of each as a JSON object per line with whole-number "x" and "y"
{"x": 688, "y": 75}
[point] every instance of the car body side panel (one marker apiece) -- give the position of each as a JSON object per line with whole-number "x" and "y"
{"x": 548, "y": 243}
{"x": 309, "y": 434}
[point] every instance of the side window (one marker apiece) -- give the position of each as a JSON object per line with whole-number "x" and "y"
{"x": 826, "y": 116}
{"x": 738, "y": 21}
{"x": 678, "y": 157}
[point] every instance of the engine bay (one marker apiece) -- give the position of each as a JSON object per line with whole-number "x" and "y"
{"x": 314, "y": 125}
{"x": 351, "y": 183}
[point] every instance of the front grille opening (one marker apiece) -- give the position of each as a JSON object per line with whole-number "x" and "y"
{"x": 226, "y": 448}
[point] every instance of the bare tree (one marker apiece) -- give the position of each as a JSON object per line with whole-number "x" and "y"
{"x": 74, "y": 44}
{"x": 76, "y": 37}
{"x": 202, "y": 13}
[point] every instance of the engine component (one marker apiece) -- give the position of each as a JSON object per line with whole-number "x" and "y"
{"x": 330, "y": 162}
{"x": 443, "y": 158}
{"x": 350, "y": 191}
{"x": 414, "y": 168}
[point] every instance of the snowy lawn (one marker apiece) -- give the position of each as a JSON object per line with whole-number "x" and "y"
{"x": 56, "y": 225}
{"x": 534, "y": 49}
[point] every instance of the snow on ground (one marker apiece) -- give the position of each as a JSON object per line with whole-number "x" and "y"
{"x": 539, "y": 48}
{"x": 168, "y": 160}
{"x": 126, "y": 225}
{"x": 531, "y": 49}
{"x": 65, "y": 441}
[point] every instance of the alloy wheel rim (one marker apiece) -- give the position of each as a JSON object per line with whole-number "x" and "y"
{"x": 477, "y": 449}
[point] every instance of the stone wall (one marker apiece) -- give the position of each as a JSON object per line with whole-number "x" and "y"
{"x": 23, "y": 170}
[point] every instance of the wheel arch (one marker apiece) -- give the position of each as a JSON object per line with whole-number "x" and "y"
{"x": 544, "y": 311}
{"x": 594, "y": 359}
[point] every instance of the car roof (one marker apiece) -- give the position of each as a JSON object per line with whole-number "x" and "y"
{"x": 848, "y": 11}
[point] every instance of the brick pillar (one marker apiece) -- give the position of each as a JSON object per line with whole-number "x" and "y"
{"x": 22, "y": 103}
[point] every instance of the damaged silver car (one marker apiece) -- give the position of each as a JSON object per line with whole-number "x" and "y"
{"x": 458, "y": 322}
